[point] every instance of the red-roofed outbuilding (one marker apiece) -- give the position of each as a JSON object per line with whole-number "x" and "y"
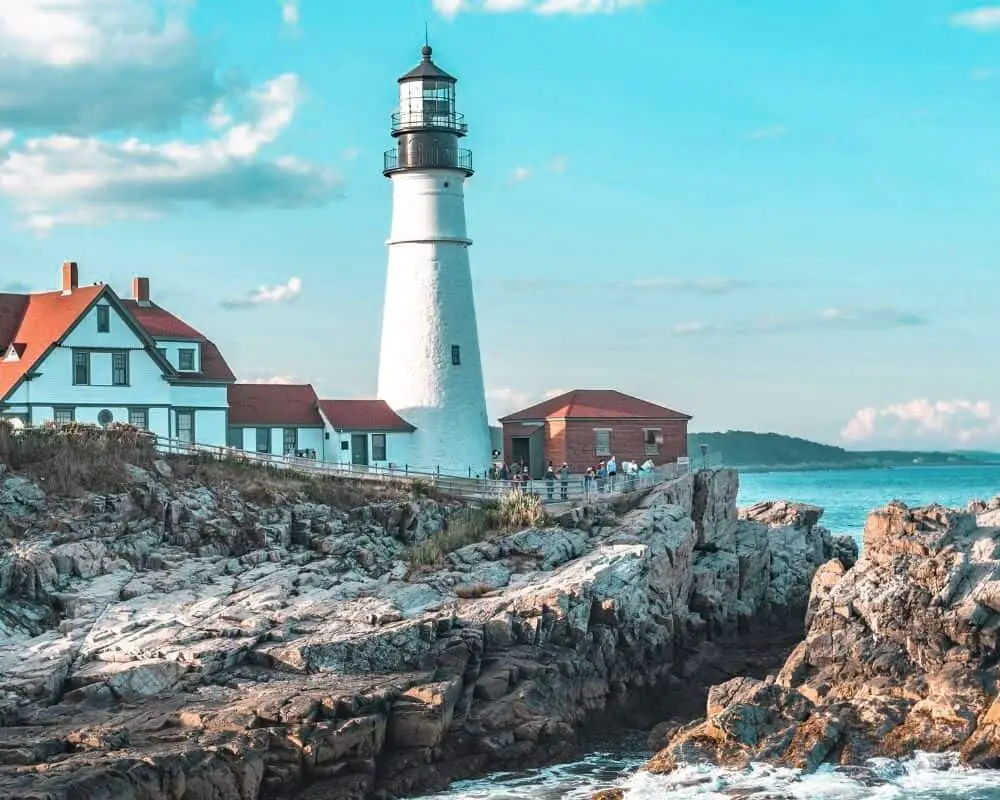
{"x": 586, "y": 426}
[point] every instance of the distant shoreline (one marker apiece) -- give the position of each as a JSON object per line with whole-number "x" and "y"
{"x": 761, "y": 468}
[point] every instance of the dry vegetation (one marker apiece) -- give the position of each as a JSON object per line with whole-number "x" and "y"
{"x": 512, "y": 511}
{"x": 75, "y": 459}
{"x": 72, "y": 460}
{"x": 267, "y": 485}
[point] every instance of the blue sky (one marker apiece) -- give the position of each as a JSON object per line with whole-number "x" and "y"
{"x": 771, "y": 215}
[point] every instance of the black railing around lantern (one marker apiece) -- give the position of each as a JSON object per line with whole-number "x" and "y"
{"x": 428, "y": 158}
{"x": 420, "y": 120}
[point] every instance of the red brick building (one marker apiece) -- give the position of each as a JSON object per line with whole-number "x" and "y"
{"x": 586, "y": 426}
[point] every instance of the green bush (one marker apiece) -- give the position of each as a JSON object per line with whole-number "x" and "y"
{"x": 512, "y": 511}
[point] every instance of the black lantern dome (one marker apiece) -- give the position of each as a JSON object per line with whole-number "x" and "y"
{"x": 427, "y": 127}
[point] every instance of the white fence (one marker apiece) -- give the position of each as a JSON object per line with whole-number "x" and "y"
{"x": 556, "y": 490}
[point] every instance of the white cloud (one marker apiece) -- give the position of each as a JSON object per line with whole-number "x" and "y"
{"x": 710, "y": 285}
{"x": 290, "y": 13}
{"x": 79, "y": 66}
{"x": 559, "y": 164}
{"x": 451, "y": 8}
{"x": 275, "y": 380}
{"x": 506, "y": 400}
{"x": 830, "y": 318}
{"x": 924, "y": 423}
{"x": 521, "y": 174}
{"x": 773, "y": 132}
{"x": 267, "y": 295}
{"x": 64, "y": 179}
{"x": 986, "y": 18}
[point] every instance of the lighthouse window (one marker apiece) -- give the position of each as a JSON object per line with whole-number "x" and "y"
{"x": 456, "y": 355}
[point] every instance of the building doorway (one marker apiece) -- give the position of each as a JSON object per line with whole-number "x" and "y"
{"x": 359, "y": 449}
{"x": 520, "y": 450}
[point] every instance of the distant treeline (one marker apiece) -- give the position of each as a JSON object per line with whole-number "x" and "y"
{"x": 747, "y": 449}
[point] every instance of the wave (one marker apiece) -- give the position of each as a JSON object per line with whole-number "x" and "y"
{"x": 925, "y": 776}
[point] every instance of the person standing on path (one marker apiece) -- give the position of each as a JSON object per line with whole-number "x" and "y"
{"x": 564, "y": 481}
{"x": 550, "y": 480}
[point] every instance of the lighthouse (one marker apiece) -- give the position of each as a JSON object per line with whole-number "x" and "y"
{"x": 430, "y": 370}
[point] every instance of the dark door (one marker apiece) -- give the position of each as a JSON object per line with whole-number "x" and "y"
{"x": 359, "y": 449}
{"x": 520, "y": 447}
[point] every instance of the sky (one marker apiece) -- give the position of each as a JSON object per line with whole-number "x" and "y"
{"x": 774, "y": 216}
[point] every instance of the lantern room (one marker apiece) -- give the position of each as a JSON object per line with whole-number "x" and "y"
{"x": 427, "y": 100}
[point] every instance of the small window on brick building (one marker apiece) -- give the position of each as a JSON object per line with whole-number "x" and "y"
{"x": 652, "y": 439}
{"x": 456, "y": 355}
{"x": 602, "y": 441}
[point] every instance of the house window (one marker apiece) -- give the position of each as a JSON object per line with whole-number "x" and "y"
{"x": 345, "y": 445}
{"x": 81, "y": 367}
{"x": 263, "y": 440}
{"x": 105, "y": 417}
{"x": 652, "y": 441}
{"x": 185, "y": 359}
{"x": 378, "y": 447}
{"x": 103, "y": 319}
{"x": 290, "y": 440}
{"x": 63, "y": 416}
{"x": 119, "y": 368}
{"x": 185, "y": 426}
{"x": 456, "y": 355}
{"x": 234, "y": 438}
{"x": 602, "y": 441}
{"x": 138, "y": 418}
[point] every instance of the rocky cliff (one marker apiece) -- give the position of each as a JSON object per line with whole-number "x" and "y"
{"x": 901, "y": 654}
{"x": 177, "y": 639}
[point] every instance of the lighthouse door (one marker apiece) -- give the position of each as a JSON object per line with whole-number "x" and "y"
{"x": 359, "y": 449}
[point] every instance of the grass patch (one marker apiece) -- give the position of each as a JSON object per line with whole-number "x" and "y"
{"x": 74, "y": 459}
{"x": 513, "y": 511}
{"x": 267, "y": 485}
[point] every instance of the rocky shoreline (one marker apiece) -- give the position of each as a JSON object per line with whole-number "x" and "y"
{"x": 900, "y": 655}
{"x": 176, "y": 639}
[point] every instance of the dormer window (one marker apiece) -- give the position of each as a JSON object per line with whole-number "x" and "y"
{"x": 185, "y": 359}
{"x": 103, "y": 319}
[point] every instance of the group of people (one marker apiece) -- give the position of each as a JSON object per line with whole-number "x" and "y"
{"x": 597, "y": 479}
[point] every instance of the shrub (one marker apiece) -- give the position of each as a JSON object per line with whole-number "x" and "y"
{"x": 75, "y": 458}
{"x": 512, "y": 511}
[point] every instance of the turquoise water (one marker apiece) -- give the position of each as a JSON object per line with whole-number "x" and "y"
{"x": 847, "y": 496}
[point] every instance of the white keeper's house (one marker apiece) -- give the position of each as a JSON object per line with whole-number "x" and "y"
{"x": 84, "y": 354}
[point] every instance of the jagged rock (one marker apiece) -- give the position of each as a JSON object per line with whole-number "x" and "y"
{"x": 179, "y": 639}
{"x": 900, "y": 655}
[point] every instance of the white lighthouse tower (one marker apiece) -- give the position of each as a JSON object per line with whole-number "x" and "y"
{"x": 430, "y": 371}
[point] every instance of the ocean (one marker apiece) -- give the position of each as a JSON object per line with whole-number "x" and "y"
{"x": 847, "y": 496}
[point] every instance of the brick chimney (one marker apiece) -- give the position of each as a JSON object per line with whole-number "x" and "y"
{"x": 140, "y": 291}
{"x": 70, "y": 277}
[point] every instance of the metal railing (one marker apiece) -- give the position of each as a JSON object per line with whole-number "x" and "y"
{"x": 417, "y": 120}
{"x": 428, "y": 158}
{"x": 557, "y": 490}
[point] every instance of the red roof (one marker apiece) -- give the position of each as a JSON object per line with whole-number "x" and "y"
{"x": 161, "y": 324}
{"x": 38, "y": 321}
{"x": 273, "y": 404}
{"x": 363, "y": 415}
{"x": 594, "y": 404}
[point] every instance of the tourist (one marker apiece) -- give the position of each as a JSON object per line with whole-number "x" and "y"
{"x": 612, "y": 472}
{"x": 588, "y": 482}
{"x": 550, "y": 479}
{"x": 602, "y": 476}
{"x": 564, "y": 481}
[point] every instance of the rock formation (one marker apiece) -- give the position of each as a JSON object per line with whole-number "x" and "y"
{"x": 901, "y": 654}
{"x": 178, "y": 640}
